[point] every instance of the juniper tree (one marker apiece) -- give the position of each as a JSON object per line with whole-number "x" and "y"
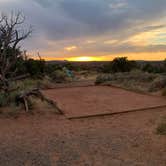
{"x": 12, "y": 33}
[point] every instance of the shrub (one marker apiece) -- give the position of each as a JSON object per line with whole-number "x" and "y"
{"x": 140, "y": 76}
{"x": 121, "y": 64}
{"x": 148, "y": 68}
{"x": 136, "y": 75}
{"x": 46, "y": 83}
{"x": 6, "y": 100}
{"x": 102, "y": 79}
{"x": 50, "y": 68}
{"x": 161, "y": 129}
{"x": 106, "y": 68}
{"x": 164, "y": 92}
{"x": 59, "y": 76}
{"x": 35, "y": 67}
{"x": 20, "y": 66}
{"x": 19, "y": 86}
{"x": 158, "y": 83}
{"x": 26, "y": 84}
{"x": 154, "y": 68}
{"x": 3, "y": 100}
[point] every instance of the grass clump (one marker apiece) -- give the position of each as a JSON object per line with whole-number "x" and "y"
{"x": 8, "y": 99}
{"x": 3, "y": 100}
{"x": 161, "y": 129}
{"x": 158, "y": 84}
{"x": 136, "y": 80}
{"x": 164, "y": 92}
{"x": 135, "y": 75}
{"x": 59, "y": 76}
{"x": 103, "y": 79}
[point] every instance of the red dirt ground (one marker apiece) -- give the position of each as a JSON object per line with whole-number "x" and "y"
{"x": 47, "y": 139}
{"x": 79, "y": 102}
{"x": 52, "y": 140}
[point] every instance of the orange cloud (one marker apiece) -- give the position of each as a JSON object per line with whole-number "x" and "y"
{"x": 146, "y": 38}
{"x": 70, "y": 48}
{"x": 131, "y": 56}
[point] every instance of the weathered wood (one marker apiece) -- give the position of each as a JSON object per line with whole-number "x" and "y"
{"x": 36, "y": 93}
{"x": 26, "y": 104}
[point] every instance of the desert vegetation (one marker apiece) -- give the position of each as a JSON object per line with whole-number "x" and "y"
{"x": 20, "y": 76}
{"x": 28, "y": 85}
{"x": 161, "y": 129}
{"x": 10, "y": 54}
{"x": 137, "y": 76}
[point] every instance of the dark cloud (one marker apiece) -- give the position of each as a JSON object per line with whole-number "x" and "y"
{"x": 45, "y": 3}
{"x": 68, "y": 20}
{"x": 126, "y": 47}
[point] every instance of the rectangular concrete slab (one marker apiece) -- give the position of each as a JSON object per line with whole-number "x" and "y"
{"x": 77, "y": 102}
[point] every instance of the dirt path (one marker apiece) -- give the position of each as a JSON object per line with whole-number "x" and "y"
{"x": 52, "y": 140}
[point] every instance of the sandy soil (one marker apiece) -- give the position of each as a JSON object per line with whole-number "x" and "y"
{"x": 98, "y": 100}
{"x": 52, "y": 140}
{"x": 47, "y": 139}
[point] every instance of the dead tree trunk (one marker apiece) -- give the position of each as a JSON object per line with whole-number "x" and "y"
{"x": 24, "y": 97}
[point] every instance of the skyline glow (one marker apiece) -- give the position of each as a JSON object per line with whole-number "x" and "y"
{"x": 94, "y": 29}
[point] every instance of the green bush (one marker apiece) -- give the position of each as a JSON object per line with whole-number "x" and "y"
{"x": 3, "y": 100}
{"x": 7, "y": 100}
{"x": 50, "y": 68}
{"x": 121, "y": 64}
{"x": 106, "y": 68}
{"x": 19, "y": 86}
{"x": 35, "y": 68}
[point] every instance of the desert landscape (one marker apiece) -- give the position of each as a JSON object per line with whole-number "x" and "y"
{"x": 46, "y": 138}
{"x": 99, "y": 125}
{"x": 82, "y": 83}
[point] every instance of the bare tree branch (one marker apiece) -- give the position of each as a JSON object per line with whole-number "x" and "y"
{"x": 12, "y": 32}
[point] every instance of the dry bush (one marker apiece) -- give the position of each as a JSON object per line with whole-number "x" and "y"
{"x": 3, "y": 101}
{"x": 11, "y": 99}
{"x": 158, "y": 84}
{"x": 59, "y": 76}
{"x": 134, "y": 80}
{"x": 128, "y": 76}
{"x": 164, "y": 92}
{"x": 161, "y": 129}
{"x": 27, "y": 84}
{"x": 104, "y": 78}
{"x": 45, "y": 83}
{"x": 135, "y": 75}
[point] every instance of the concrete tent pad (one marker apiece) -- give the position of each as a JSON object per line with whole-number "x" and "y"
{"x": 101, "y": 100}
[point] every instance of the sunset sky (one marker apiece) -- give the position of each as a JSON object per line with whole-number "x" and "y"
{"x": 86, "y": 30}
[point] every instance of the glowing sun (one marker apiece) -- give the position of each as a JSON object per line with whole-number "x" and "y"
{"x": 84, "y": 59}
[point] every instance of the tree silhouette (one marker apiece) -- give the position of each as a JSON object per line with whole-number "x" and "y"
{"x": 12, "y": 33}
